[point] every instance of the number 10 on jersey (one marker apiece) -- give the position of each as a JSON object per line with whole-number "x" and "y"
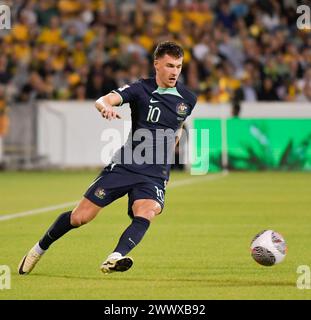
{"x": 153, "y": 114}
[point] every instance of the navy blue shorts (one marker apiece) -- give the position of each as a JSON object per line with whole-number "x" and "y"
{"x": 114, "y": 182}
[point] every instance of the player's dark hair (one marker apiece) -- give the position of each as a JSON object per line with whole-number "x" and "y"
{"x": 170, "y": 48}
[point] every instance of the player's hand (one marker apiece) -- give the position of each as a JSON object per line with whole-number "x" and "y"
{"x": 109, "y": 113}
{"x": 106, "y": 110}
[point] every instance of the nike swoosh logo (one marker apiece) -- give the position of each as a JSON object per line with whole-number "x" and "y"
{"x": 153, "y": 101}
{"x": 132, "y": 241}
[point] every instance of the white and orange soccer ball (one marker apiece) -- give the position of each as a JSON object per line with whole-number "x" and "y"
{"x": 268, "y": 248}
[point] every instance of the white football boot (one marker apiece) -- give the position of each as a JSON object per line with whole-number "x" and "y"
{"x": 29, "y": 261}
{"x": 116, "y": 262}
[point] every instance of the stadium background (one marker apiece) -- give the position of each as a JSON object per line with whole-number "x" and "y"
{"x": 251, "y": 68}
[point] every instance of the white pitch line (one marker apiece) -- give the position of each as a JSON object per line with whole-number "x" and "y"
{"x": 37, "y": 211}
{"x": 72, "y": 203}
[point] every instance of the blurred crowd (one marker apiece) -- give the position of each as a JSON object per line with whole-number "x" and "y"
{"x": 249, "y": 50}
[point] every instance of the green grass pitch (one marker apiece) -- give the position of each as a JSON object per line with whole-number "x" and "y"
{"x": 197, "y": 249}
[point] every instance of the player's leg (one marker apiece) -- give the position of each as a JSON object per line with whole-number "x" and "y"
{"x": 84, "y": 212}
{"x": 143, "y": 211}
{"x": 96, "y": 197}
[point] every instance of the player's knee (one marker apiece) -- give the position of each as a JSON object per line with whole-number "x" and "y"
{"x": 147, "y": 214}
{"x": 147, "y": 209}
{"x": 77, "y": 220}
{"x": 83, "y": 213}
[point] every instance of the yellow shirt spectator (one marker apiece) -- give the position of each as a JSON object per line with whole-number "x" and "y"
{"x": 187, "y": 56}
{"x": 4, "y": 119}
{"x": 158, "y": 21}
{"x": 98, "y": 5}
{"x": 79, "y": 57}
{"x": 41, "y": 53}
{"x": 89, "y": 37}
{"x": 69, "y": 6}
{"x": 73, "y": 79}
{"x": 146, "y": 42}
{"x": 20, "y": 32}
{"x": 226, "y": 86}
{"x": 199, "y": 18}
{"x": 50, "y": 36}
{"x": 175, "y": 23}
{"x": 58, "y": 62}
{"x": 22, "y": 52}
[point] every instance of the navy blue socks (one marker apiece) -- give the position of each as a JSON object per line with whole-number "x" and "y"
{"x": 132, "y": 235}
{"x": 61, "y": 226}
{"x": 128, "y": 240}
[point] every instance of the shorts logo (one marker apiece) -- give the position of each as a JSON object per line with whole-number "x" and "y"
{"x": 182, "y": 109}
{"x": 100, "y": 193}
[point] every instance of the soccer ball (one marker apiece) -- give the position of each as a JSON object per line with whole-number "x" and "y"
{"x": 268, "y": 248}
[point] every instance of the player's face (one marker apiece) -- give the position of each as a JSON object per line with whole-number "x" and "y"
{"x": 167, "y": 70}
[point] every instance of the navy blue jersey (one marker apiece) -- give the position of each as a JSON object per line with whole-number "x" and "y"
{"x": 157, "y": 113}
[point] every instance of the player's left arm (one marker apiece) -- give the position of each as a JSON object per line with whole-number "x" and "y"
{"x": 192, "y": 100}
{"x": 178, "y": 134}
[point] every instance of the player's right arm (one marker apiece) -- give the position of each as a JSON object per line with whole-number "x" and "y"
{"x": 106, "y": 103}
{"x": 125, "y": 94}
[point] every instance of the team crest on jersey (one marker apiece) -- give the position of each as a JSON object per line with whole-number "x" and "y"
{"x": 100, "y": 193}
{"x": 182, "y": 109}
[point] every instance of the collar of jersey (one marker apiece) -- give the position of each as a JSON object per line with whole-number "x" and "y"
{"x": 172, "y": 91}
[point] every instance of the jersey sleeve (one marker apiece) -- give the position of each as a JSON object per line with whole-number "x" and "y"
{"x": 128, "y": 92}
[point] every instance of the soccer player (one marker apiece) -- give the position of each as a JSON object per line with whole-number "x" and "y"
{"x": 158, "y": 105}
